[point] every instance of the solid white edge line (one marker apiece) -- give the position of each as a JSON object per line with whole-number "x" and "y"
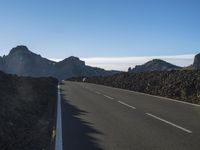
{"x": 169, "y": 99}
{"x": 126, "y": 104}
{"x": 58, "y": 142}
{"x": 108, "y": 97}
{"x": 170, "y": 123}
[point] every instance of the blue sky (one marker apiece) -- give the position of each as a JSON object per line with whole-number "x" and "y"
{"x": 101, "y": 28}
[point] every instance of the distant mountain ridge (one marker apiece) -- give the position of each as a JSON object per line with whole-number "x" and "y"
{"x": 161, "y": 65}
{"x": 22, "y": 61}
{"x": 155, "y": 65}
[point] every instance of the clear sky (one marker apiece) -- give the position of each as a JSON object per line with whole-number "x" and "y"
{"x": 101, "y": 28}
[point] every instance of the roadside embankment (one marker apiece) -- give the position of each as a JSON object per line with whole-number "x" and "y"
{"x": 27, "y": 112}
{"x": 182, "y": 85}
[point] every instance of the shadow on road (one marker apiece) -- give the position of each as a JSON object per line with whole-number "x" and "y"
{"x": 77, "y": 134}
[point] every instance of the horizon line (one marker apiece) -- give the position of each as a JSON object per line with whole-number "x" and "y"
{"x": 123, "y": 63}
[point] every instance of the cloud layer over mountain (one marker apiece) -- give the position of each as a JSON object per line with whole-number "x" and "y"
{"x": 123, "y": 63}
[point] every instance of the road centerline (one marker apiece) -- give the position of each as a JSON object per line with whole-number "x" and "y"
{"x": 125, "y": 104}
{"x": 170, "y": 123}
{"x": 97, "y": 92}
{"x": 108, "y": 96}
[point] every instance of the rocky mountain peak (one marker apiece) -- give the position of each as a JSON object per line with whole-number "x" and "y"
{"x": 73, "y": 60}
{"x": 21, "y": 49}
{"x": 157, "y": 60}
{"x": 154, "y": 65}
{"x": 196, "y": 63}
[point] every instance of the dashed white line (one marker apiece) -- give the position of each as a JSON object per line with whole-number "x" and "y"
{"x": 108, "y": 97}
{"x": 97, "y": 92}
{"x": 170, "y": 123}
{"x": 159, "y": 97}
{"x": 126, "y": 104}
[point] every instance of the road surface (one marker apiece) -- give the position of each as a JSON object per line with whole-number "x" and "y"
{"x": 96, "y": 117}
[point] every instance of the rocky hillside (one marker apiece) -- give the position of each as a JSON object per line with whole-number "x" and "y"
{"x": 182, "y": 85}
{"x": 27, "y": 112}
{"x": 22, "y": 61}
{"x": 155, "y": 65}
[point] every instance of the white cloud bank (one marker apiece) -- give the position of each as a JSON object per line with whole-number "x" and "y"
{"x": 122, "y": 63}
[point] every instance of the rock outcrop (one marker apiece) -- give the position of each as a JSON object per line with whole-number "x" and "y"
{"x": 196, "y": 64}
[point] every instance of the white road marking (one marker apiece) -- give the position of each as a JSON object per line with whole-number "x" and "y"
{"x": 58, "y": 142}
{"x": 159, "y": 97}
{"x": 108, "y": 97}
{"x": 126, "y": 104}
{"x": 97, "y": 92}
{"x": 170, "y": 123}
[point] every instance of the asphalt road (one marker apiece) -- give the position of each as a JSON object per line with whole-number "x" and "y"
{"x": 96, "y": 117}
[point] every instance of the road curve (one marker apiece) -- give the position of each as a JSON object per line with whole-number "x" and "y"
{"x": 96, "y": 117}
